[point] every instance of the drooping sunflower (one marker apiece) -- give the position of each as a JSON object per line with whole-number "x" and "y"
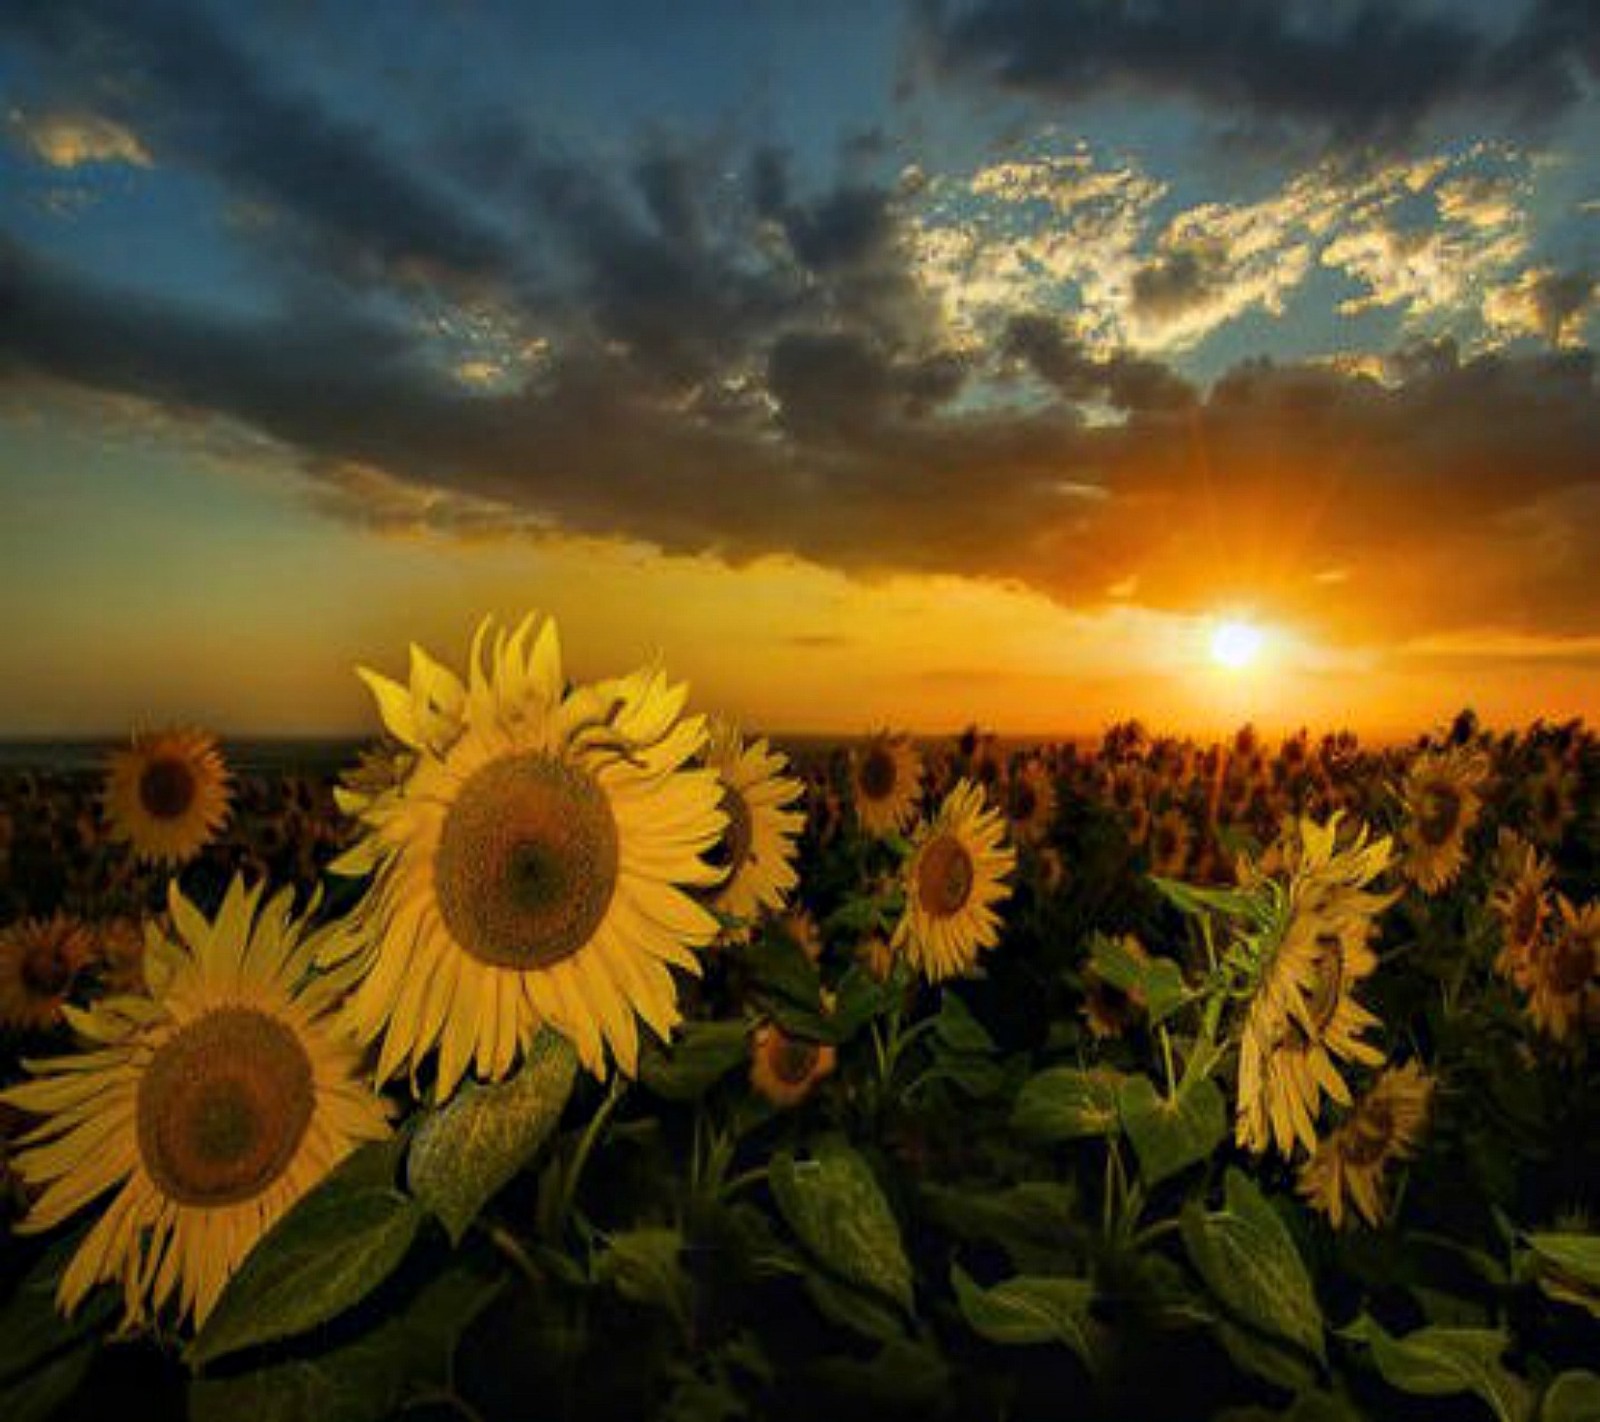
{"x": 1348, "y": 1166}
{"x": 210, "y": 1108}
{"x": 953, "y": 877}
{"x": 1520, "y": 900}
{"x": 41, "y": 960}
{"x": 757, "y": 849}
{"x": 535, "y": 864}
{"x": 785, "y": 1069}
{"x": 1168, "y": 844}
{"x": 1301, "y": 1015}
{"x": 885, "y": 776}
{"x": 1030, "y": 801}
{"x": 1442, "y": 802}
{"x": 1563, "y": 972}
{"x": 168, "y": 794}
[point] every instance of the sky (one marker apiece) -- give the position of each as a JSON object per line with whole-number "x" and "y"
{"x": 904, "y": 364}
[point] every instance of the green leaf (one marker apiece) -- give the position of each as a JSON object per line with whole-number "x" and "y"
{"x": 902, "y": 1379}
{"x": 1267, "y": 1358}
{"x": 1198, "y": 901}
{"x": 38, "y": 1395}
{"x": 1572, "y": 1397}
{"x": 834, "y": 1205}
{"x": 1064, "y": 1104}
{"x": 1169, "y": 1135}
{"x": 1249, "y": 1262}
{"x": 956, "y": 1028}
{"x": 857, "y": 1309}
{"x": 468, "y": 1150}
{"x": 858, "y": 999}
{"x": 366, "y": 1378}
{"x": 32, "y": 1329}
{"x": 324, "y": 1256}
{"x": 782, "y": 973}
{"x": 1032, "y": 1222}
{"x": 1567, "y": 1268}
{"x": 1158, "y": 980}
{"x": 644, "y": 1266}
{"x": 1030, "y": 1310}
{"x": 1440, "y": 1362}
{"x": 700, "y": 1055}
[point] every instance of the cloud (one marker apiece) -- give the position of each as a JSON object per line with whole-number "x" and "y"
{"x": 1545, "y": 302}
{"x": 1365, "y": 71}
{"x": 66, "y": 139}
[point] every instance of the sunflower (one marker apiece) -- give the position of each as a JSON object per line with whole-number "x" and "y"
{"x": 535, "y": 864}
{"x": 1030, "y": 802}
{"x": 119, "y": 950}
{"x": 167, "y": 795}
{"x": 41, "y": 960}
{"x": 1301, "y": 1013}
{"x": 987, "y": 764}
{"x": 952, "y": 879}
{"x": 757, "y": 849}
{"x": 799, "y": 926}
{"x": 785, "y": 1069}
{"x": 210, "y": 1108}
{"x": 1563, "y": 973}
{"x": 1521, "y": 902}
{"x": 884, "y": 776}
{"x": 1168, "y": 844}
{"x": 1442, "y": 801}
{"x": 1385, "y": 1126}
{"x": 1552, "y": 801}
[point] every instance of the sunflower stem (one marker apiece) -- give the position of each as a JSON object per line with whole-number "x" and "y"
{"x": 586, "y": 1145}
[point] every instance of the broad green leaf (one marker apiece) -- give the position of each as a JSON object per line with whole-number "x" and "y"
{"x": 1159, "y": 981}
{"x": 1572, "y": 1397}
{"x": 956, "y": 1028}
{"x": 699, "y": 1056}
{"x": 1169, "y": 1135}
{"x": 834, "y": 1205}
{"x": 1249, "y": 1262}
{"x": 1440, "y": 1362}
{"x": 1266, "y": 1357}
{"x": 1064, "y": 1104}
{"x": 469, "y": 1149}
{"x": 362, "y": 1380}
{"x": 324, "y": 1256}
{"x": 32, "y": 1329}
{"x": 644, "y": 1265}
{"x": 1030, "y": 1310}
{"x": 1575, "y": 1255}
{"x": 862, "y": 1311}
{"x": 858, "y": 999}
{"x": 36, "y": 1396}
{"x": 1196, "y": 900}
{"x": 782, "y": 973}
{"x": 1032, "y": 1222}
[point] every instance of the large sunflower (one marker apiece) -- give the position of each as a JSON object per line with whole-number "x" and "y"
{"x": 210, "y": 1108}
{"x": 952, "y": 879}
{"x": 1301, "y": 1014}
{"x": 41, "y": 960}
{"x": 532, "y": 863}
{"x": 885, "y": 775}
{"x": 167, "y": 794}
{"x": 1385, "y": 1126}
{"x": 1442, "y": 802}
{"x": 757, "y": 849}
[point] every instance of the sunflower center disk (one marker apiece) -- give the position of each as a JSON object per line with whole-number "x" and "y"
{"x": 1438, "y": 813}
{"x": 166, "y": 788}
{"x": 944, "y": 876}
{"x": 527, "y": 862}
{"x": 877, "y": 773}
{"x": 732, "y": 850}
{"x": 1327, "y": 983}
{"x": 47, "y": 970}
{"x": 1573, "y": 965}
{"x": 223, "y": 1106}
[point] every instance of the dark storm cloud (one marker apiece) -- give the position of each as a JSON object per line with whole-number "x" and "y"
{"x": 1463, "y": 492}
{"x": 1361, "y": 69}
{"x": 195, "y": 96}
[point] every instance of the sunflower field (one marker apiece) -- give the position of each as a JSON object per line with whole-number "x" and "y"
{"x": 572, "y": 1054}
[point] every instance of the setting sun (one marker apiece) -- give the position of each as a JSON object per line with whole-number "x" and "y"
{"x": 1236, "y": 644}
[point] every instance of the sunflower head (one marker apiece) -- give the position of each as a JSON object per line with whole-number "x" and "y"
{"x": 208, "y": 1108}
{"x": 41, "y": 962}
{"x": 757, "y": 849}
{"x": 953, "y": 878}
{"x": 785, "y": 1069}
{"x": 1442, "y": 801}
{"x": 535, "y": 859}
{"x": 885, "y": 778}
{"x": 1562, "y": 974}
{"x": 1385, "y": 1126}
{"x": 1030, "y": 801}
{"x": 168, "y": 794}
{"x": 1521, "y": 902}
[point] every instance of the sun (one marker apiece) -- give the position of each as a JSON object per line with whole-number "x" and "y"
{"x": 1235, "y": 644}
